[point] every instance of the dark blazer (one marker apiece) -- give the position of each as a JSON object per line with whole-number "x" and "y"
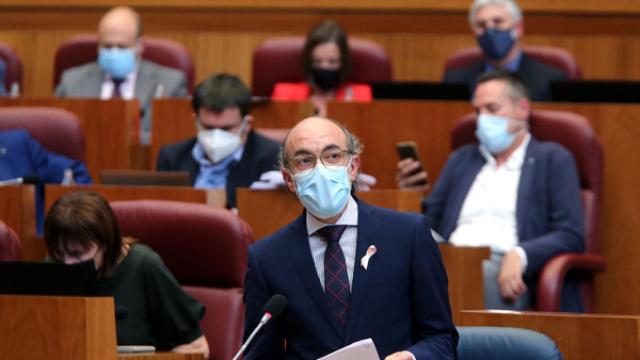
{"x": 86, "y": 81}
{"x": 260, "y": 155}
{"x": 549, "y": 212}
{"x": 400, "y": 301}
{"x": 537, "y": 76}
{"x": 21, "y": 155}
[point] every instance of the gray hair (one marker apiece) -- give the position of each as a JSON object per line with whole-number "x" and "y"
{"x": 354, "y": 146}
{"x": 511, "y": 5}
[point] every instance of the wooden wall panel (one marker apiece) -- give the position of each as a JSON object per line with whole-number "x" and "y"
{"x": 222, "y": 38}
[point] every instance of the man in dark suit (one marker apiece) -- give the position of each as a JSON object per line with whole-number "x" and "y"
{"x": 498, "y": 26}
{"x": 350, "y": 271}
{"x": 226, "y": 152}
{"x": 120, "y": 71}
{"x": 518, "y": 195}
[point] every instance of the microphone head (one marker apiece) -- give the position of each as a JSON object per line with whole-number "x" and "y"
{"x": 276, "y": 305}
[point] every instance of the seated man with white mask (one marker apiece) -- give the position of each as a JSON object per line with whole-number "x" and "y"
{"x": 518, "y": 195}
{"x": 226, "y": 152}
{"x": 120, "y": 72}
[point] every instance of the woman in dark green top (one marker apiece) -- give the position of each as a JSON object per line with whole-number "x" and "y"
{"x": 81, "y": 227}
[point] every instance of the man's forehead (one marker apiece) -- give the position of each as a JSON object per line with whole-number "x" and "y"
{"x": 312, "y": 134}
{"x": 490, "y": 11}
{"x": 490, "y": 91}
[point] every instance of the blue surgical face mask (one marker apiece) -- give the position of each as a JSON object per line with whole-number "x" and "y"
{"x": 117, "y": 62}
{"x": 497, "y": 43}
{"x": 493, "y": 132}
{"x": 324, "y": 191}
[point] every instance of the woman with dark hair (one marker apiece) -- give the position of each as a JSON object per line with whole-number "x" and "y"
{"x": 81, "y": 227}
{"x": 326, "y": 64}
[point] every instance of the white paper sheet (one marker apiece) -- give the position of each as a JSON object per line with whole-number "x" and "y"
{"x": 360, "y": 350}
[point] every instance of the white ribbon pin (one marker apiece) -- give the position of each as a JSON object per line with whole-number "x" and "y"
{"x": 365, "y": 259}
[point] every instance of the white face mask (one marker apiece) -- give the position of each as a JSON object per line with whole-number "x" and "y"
{"x": 217, "y": 143}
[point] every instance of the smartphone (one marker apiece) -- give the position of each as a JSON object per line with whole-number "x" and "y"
{"x": 409, "y": 149}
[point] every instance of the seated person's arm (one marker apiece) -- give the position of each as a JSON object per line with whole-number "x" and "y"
{"x": 50, "y": 167}
{"x": 198, "y": 345}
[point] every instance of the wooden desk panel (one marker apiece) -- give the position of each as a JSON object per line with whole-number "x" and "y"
{"x": 18, "y": 211}
{"x": 57, "y": 328}
{"x": 466, "y": 282}
{"x": 110, "y": 128}
{"x": 173, "y": 120}
{"x": 579, "y": 337}
{"x": 215, "y": 198}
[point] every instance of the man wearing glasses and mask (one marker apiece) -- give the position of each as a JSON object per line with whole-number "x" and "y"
{"x": 226, "y": 153}
{"x": 120, "y": 71}
{"x": 350, "y": 271}
{"x": 498, "y": 26}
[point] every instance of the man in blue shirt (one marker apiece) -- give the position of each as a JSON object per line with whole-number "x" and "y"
{"x": 226, "y": 153}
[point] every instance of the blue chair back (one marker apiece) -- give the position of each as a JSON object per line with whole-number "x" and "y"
{"x": 505, "y": 343}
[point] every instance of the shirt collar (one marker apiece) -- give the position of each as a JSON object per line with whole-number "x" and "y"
{"x": 348, "y": 217}
{"x": 515, "y": 160}
{"x": 512, "y": 66}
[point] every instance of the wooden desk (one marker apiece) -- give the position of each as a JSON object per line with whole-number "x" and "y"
{"x": 18, "y": 210}
{"x": 173, "y": 120}
{"x": 110, "y": 129}
{"x": 579, "y": 337}
{"x": 267, "y": 211}
{"x": 464, "y": 271}
{"x": 215, "y": 198}
{"x": 57, "y": 328}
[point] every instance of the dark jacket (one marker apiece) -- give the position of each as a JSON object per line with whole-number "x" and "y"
{"x": 400, "y": 300}
{"x": 537, "y": 76}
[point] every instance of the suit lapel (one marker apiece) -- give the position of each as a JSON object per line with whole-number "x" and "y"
{"x": 301, "y": 254}
{"x": 525, "y": 185}
{"x": 367, "y": 235}
{"x": 145, "y": 85}
{"x": 92, "y": 83}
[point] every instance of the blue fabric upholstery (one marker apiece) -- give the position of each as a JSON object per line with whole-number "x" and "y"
{"x": 505, "y": 343}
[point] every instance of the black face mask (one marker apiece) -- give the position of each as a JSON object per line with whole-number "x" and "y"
{"x": 89, "y": 269}
{"x": 326, "y": 79}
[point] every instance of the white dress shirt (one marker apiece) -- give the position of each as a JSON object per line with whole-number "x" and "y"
{"x": 488, "y": 214}
{"x": 348, "y": 240}
{"x": 127, "y": 88}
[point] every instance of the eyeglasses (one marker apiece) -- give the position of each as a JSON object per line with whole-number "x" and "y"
{"x": 329, "y": 157}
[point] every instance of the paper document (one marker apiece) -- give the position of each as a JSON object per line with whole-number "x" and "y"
{"x": 360, "y": 350}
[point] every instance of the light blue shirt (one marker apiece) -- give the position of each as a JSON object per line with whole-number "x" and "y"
{"x": 213, "y": 176}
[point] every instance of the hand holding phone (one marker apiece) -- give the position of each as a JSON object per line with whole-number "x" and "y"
{"x": 409, "y": 150}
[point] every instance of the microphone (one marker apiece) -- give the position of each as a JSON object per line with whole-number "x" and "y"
{"x": 272, "y": 309}
{"x": 27, "y": 179}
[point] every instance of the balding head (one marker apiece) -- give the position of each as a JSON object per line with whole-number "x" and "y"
{"x": 313, "y": 136}
{"x": 119, "y": 27}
